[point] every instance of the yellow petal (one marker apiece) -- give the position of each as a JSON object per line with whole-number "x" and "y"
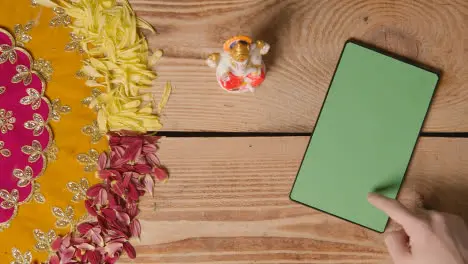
{"x": 165, "y": 97}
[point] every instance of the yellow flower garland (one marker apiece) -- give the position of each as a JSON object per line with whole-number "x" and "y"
{"x": 118, "y": 63}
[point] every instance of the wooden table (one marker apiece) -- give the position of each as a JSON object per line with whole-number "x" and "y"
{"x": 227, "y": 199}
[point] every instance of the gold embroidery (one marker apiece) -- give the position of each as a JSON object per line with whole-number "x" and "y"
{"x": 44, "y": 240}
{"x": 78, "y": 189}
{"x": 4, "y": 226}
{"x": 20, "y": 258}
{"x": 37, "y": 124}
{"x": 61, "y": 18}
{"x": 23, "y": 74}
{"x": 25, "y": 176}
{"x": 89, "y": 160}
{"x": 2, "y": 89}
{"x": 3, "y": 151}
{"x": 58, "y": 109}
{"x": 64, "y": 217}
{"x": 8, "y": 53}
{"x": 10, "y": 200}
{"x": 6, "y": 121}
{"x": 92, "y": 131}
{"x": 44, "y": 68}
{"x": 37, "y": 195}
{"x": 22, "y": 33}
{"x": 34, "y": 151}
{"x": 91, "y": 101}
{"x": 75, "y": 43}
{"x": 33, "y": 98}
{"x": 51, "y": 152}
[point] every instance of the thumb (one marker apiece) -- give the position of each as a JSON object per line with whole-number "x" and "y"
{"x": 397, "y": 245}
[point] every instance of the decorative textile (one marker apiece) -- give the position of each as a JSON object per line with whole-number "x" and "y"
{"x": 24, "y": 132}
{"x": 35, "y": 225}
{"x": 109, "y": 54}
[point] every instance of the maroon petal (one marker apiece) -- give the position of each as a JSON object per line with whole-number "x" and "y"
{"x": 135, "y": 228}
{"x": 113, "y": 248}
{"x": 85, "y": 246}
{"x": 127, "y": 177}
{"x": 90, "y": 208}
{"x": 142, "y": 168}
{"x": 114, "y": 140}
{"x": 117, "y": 188}
{"x": 149, "y": 148}
{"x": 109, "y": 214}
{"x": 84, "y": 227}
{"x": 94, "y": 190}
{"x": 159, "y": 173}
{"x": 101, "y": 199}
{"x": 133, "y": 150}
{"x": 94, "y": 257}
{"x": 54, "y": 260}
{"x": 153, "y": 160}
{"x": 102, "y": 161}
{"x": 130, "y": 250}
{"x": 133, "y": 193}
{"x": 151, "y": 139}
{"x": 56, "y": 244}
{"x": 149, "y": 183}
{"x": 132, "y": 210}
{"x": 67, "y": 254}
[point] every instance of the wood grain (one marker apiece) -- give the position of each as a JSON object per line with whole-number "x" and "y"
{"x": 227, "y": 202}
{"x": 307, "y": 37}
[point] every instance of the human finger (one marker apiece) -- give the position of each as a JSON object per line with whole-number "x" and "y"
{"x": 397, "y": 245}
{"x": 396, "y": 211}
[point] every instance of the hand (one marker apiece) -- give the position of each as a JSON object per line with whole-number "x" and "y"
{"x": 429, "y": 238}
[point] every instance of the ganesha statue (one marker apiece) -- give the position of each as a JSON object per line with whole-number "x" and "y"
{"x": 240, "y": 67}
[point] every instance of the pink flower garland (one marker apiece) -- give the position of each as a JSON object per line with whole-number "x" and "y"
{"x": 128, "y": 173}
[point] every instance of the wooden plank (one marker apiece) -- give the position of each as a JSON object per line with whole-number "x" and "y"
{"x": 227, "y": 202}
{"x": 307, "y": 37}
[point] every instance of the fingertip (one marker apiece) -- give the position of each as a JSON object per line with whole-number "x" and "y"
{"x": 372, "y": 197}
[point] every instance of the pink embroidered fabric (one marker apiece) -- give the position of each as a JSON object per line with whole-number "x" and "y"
{"x": 24, "y": 133}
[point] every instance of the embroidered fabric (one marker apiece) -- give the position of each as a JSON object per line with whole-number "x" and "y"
{"x": 24, "y": 130}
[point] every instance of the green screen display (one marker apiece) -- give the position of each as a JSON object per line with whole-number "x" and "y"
{"x": 365, "y": 135}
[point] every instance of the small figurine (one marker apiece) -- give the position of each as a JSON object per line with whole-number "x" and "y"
{"x": 240, "y": 67}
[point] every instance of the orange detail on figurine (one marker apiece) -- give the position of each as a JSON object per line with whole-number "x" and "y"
{"x": 240, "y": 67}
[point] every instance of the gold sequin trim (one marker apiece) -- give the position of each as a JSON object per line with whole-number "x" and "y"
{"x": 58, "y": 109}
{"x": 51, "y": 152}
{"x": 89, "y": 160}
{"x": 3, "y": 151}
{"x": 6, "y": 121}
{"x": 37, "y": 124}
{"x": 78, "y": 189}
{"x": 34, "y": 151}
{"x": 20, "y": 258}
{"x": 22, "y": 33}
{"x": 44, "y": 68}
{"x": 75, "y": 43}
{"x": 10, "y": 200}
{"x": 64, "y": 217}
{"x": 34, "y": 98}
{"x": 25, "y": 176}
{"x": 91, "y": 101}
{"x": 23, "y": 74}
{"x": 37, "y": 195}
{"x": 92, "y": 131}
{"x": 61, "y": 18}
{"x": 8, "y": 53}
{"x": 44, "y": 240}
